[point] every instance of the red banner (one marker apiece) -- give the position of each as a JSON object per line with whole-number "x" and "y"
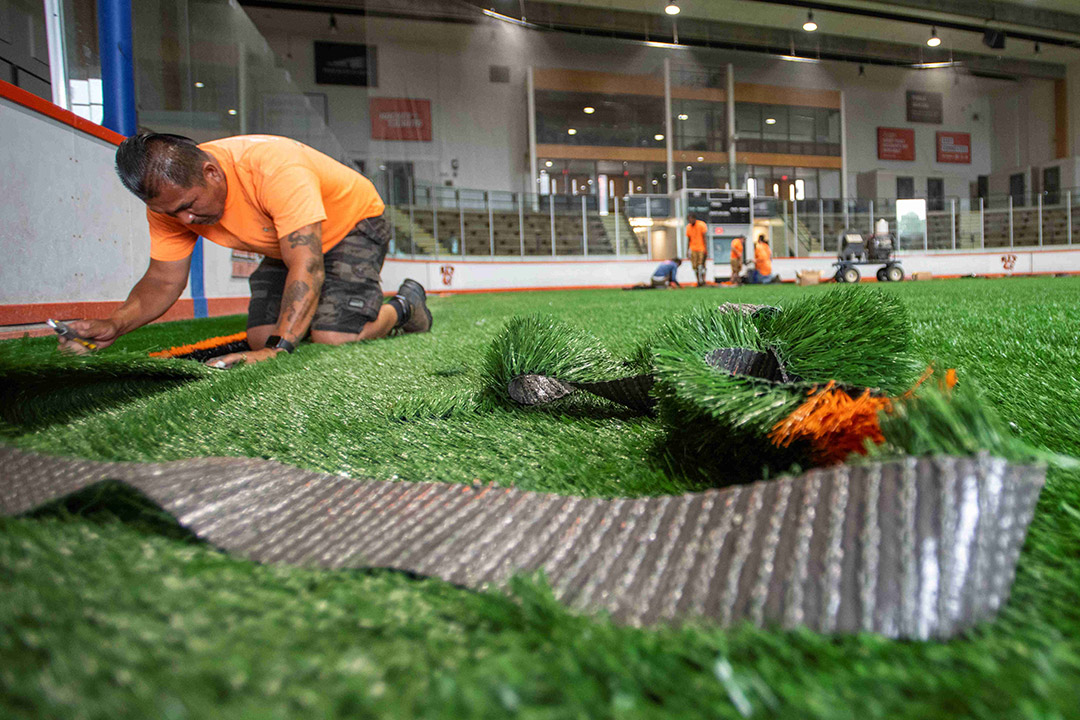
{"x": 400, "y": 119}
{"x": 953, "y": 147}
{"x": 895, "y": 143}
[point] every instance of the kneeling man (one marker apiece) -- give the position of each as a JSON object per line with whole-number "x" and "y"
{"x": 318, "y": 223}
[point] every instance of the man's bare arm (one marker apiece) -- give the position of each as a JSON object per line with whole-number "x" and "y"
{"x": 301, "y": 252}
{"x": 160, "y": 287}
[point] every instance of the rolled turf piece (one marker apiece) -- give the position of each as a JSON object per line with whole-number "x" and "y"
{"x": 909, "y": 548}
{"x": 741, "y": 386}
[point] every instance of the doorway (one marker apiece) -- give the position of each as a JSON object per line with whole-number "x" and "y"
{"x": 399, "y": 183}
{"x": 935, "y": 194}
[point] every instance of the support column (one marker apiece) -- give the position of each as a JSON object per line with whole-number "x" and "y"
{"x": 669, "y": 143}
{"x": 843, "y": 162}
{"x": 117, "y": 65}
{"x": 732, "y": 175}
{"x": 533, "y": 176}
{"x": 54, "y": 32}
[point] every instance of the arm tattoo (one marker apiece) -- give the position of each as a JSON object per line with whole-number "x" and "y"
{"x": 304, "y": 239}
{"x": 296, "y": 299}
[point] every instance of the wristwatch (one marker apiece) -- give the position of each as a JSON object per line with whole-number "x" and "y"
{"x": 276, "y": 342}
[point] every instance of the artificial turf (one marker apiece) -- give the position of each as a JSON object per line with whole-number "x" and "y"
{"x": 110, "y": 610}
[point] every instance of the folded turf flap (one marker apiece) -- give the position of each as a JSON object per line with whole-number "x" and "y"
{"x": 909, "y": 548}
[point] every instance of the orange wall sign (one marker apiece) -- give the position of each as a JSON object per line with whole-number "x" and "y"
{"x": 953, "y": 147}
{"x": 895, "y": 143}
{"x": 400, "y": 119}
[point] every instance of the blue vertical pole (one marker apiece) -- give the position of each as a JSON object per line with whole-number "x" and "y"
{"x": 117, "y": 65}
{"x": 198, "y": 283}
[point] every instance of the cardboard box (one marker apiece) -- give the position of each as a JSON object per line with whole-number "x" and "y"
{"x": 922, "y": 275}
{"x": 808, "y": 277}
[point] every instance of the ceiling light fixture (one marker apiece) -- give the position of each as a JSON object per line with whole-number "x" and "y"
{"x": 232, "y": 111}
{"x": 547, "y": 164}
{"x": 770, "y": 121}
{"x": 684, "y": 116}
{"x": 933, "y": 40}
{"x": 809, "y": 25}
{"x": 571, "y": 131}
{"x": 200, "y": 84}
{"x": 672, "y": 8}
{"x": 589, "y": 110}
{"x": 658, "y": 136}
{"x": 701, "y": 158}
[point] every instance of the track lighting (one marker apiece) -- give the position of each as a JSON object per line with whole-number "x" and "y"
{"x": 809, "y": 25}
{"x": 672, "y": 8}
{"x": 933, "y": 40}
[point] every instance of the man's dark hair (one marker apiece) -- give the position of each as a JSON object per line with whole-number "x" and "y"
{"x": 677, "y": 260}
{"x": 691, "y": 216}
{"x": 146, "y": 161}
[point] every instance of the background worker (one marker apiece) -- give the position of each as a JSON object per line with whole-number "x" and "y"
{"x": 736, "y": 260}
{"x": 318, "y": 223}
{"x": 664, "y": 275}
{"x": 695, "y": 235}
{"x": 762, "y": 261}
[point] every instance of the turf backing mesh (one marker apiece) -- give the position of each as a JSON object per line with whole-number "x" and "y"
{"x": 912, "y": 548}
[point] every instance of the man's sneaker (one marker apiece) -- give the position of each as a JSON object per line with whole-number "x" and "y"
{"x": 417, "y": 316}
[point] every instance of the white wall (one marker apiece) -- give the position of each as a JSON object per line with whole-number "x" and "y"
{"x": 71, "y": 231}
{"x": 1023, "y": 124}
{"x": 476, "y": 276}
{"x": 484, "y": 125}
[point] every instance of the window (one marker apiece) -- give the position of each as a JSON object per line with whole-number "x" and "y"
{"x": 1016, "y": 189}
{"x": 905, "y": 188}
{"x": 935, "y": 194}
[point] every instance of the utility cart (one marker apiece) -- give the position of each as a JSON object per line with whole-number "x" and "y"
{"x": 878, "y": 249}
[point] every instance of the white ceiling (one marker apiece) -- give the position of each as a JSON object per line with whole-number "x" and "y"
{"x": 762, "y": 14}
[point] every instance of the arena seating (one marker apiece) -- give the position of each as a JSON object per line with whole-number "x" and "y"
{"x": 507, "y": 237}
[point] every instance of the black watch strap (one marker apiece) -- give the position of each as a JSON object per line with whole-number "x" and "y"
{"x": 279, "y": 343}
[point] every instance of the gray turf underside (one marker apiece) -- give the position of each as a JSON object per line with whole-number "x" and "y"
{"x": 912, "y": 548}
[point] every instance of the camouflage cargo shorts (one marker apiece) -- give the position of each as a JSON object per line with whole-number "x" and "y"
{"x": 352, "y": 291}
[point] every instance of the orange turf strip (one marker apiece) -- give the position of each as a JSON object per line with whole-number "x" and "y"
{"x": 836, "y": 425}
{"x": 201, "y": 345}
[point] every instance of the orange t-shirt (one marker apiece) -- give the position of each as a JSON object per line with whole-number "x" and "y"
{"x": 275, "y": 186}
{"x": 736, "y": 249}
{"x": 763, "y": 258}
{"x": 696, "y": 234}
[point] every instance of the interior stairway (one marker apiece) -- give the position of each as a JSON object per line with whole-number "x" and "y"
{"x": 628, "y": 239}
{"x": 423, "y": 241}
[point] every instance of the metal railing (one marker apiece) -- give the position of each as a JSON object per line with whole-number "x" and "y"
{"x": 456, "y": 222}
{"x": 441, "y": 222}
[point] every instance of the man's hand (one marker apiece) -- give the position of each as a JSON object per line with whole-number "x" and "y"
{"x": 243, "y": 358}
{"x": 101, "y": 332}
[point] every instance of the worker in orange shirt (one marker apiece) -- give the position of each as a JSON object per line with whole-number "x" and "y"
{"x": 695, "y": 234}
{"x": 762, "y": 261}
{"x": 318, "y": 223}
{"x": 736, "y": 260}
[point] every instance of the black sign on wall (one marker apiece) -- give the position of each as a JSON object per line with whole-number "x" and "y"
{"x": 729, "y": 210}
{"x": 924, "y": 107}
{"x": 345, "y": 64}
